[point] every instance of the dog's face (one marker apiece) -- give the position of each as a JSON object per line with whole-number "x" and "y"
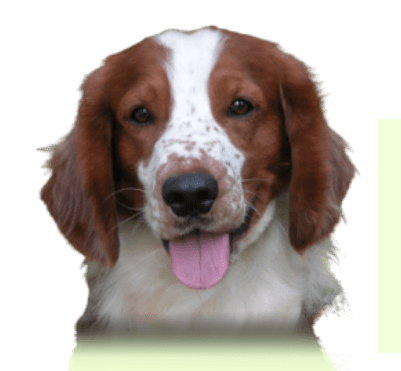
{"x": 200, "y": 132}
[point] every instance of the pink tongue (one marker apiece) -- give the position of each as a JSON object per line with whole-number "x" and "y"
{"x": 200, "y": 261}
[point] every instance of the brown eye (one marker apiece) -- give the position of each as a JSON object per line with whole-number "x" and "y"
{"x": 240, "y": 107}
{"x": 141, "y": 116}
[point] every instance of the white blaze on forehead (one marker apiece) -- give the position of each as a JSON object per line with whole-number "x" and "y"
{"x": 192, "y": 60}
{"x": 192, "y": 130}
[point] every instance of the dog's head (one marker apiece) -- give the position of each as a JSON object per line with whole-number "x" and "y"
{"x": 198, "y": 132}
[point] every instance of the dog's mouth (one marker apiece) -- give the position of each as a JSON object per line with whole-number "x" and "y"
{"x": 200, "y": 259}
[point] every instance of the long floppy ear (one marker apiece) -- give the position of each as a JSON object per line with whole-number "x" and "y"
{"x": 321, "y": 171}
{"x": 79, "y": 194}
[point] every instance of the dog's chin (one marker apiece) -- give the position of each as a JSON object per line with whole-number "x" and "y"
{"x": 233, "y": 234}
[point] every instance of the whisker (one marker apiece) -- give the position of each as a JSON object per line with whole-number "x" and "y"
{"x": 254, "y": 208}
{"x": 248, "y": 191}
{"x": 125, "y": 189}
{"x": 130, "y": 218}
{"x": 255, "y": 194}
{"x": 131, "y": 189}
{"x": 128, "y": 207}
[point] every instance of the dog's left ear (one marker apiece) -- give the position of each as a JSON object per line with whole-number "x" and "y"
{"x": 321, "y": 171}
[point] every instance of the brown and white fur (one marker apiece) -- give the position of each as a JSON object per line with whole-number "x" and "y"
{"x": 277, "y": 157}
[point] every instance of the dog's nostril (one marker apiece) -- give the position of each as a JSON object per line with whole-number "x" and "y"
{"x": 190, "y": 194}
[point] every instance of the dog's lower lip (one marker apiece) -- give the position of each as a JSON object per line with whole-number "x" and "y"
{"x": 234, "y": 234}
{"x": 165, "y": 244}
{"x": 245, "y": 225}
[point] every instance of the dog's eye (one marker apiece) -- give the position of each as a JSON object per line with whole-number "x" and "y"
{"x": 141, "y": 116}
{"x": 240, "y": 107}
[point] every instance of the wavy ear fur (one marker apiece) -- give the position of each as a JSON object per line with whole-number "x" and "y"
{"x": 321, "y": 171}
{"x": 80, "y": 192}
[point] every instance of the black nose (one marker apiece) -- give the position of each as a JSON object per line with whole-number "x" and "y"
{"x": 190, "y": 194}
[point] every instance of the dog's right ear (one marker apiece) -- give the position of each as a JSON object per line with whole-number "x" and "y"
{"x": 80, "y": 192}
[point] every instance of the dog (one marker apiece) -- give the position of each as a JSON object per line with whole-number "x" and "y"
{"x": 201, "y": 182}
